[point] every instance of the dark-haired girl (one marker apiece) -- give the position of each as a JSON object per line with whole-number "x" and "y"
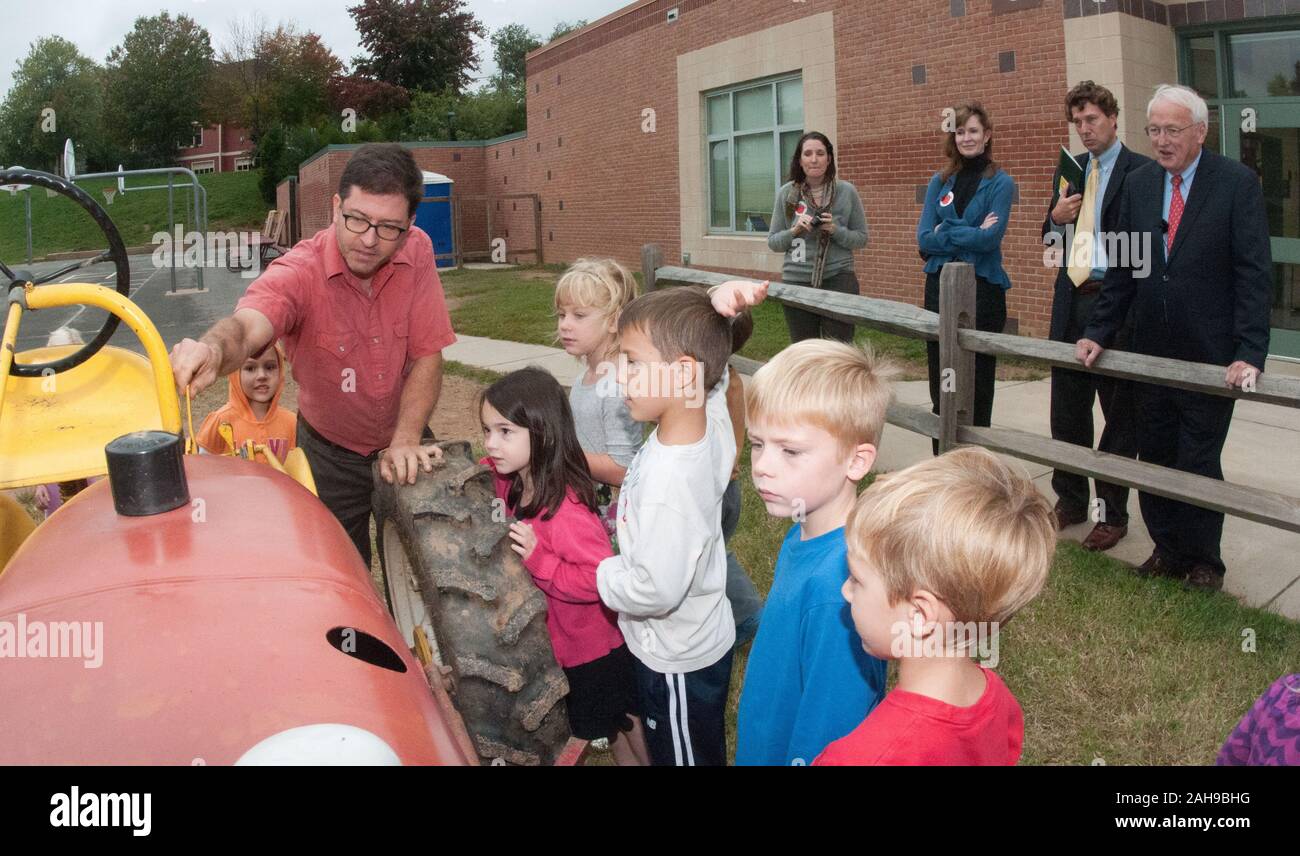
{"x": 817, "y": 222}
{"x": 541, "y": 473}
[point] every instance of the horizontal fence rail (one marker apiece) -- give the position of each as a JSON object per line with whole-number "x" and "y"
{"x": 952, "y": 328}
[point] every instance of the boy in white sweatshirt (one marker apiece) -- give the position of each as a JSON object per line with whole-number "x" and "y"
{"x": 668, "y": 582}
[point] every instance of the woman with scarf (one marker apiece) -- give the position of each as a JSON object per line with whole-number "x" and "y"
{"x": 817, "y": 222}
{"x": 967, "y": 205}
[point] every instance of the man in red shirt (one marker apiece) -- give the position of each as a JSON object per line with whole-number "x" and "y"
{"x": 359, "y": 310}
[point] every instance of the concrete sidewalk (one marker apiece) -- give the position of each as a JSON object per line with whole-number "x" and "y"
{"x": 1263, "y": 450}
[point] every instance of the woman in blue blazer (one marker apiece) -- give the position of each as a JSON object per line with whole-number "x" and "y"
{"x": 965, "y": 215}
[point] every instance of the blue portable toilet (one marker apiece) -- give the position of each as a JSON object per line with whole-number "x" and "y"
{"x": 435, "y": 217}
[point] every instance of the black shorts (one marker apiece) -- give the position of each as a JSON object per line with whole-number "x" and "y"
{"x": 602, "y": 695}
{"x": 685, "y": 714}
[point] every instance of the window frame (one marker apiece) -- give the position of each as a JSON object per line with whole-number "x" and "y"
{"x": 709, "y": 139}
{"x": 1221, "y": 32}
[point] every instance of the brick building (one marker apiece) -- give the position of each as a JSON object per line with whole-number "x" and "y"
{"x": 218, "y": 148}
{"x": 672, "y": 121}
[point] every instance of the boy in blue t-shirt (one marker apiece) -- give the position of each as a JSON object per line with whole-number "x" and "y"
{"x": 815, "y": 415}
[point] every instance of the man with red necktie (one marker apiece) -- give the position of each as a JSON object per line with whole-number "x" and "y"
{"x": 1206, "y": 300}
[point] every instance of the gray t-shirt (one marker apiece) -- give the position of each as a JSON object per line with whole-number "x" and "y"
{"x": 605, "y": 427}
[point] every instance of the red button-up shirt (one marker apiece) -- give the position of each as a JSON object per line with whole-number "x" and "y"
{"x": 352, "y": 350}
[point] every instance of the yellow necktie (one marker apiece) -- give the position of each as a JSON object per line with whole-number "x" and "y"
{"x": 1081, "y": 252}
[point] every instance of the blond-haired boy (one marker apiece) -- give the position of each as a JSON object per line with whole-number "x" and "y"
{"x": 816, "y": 412}
{"x": 942, "y": 554}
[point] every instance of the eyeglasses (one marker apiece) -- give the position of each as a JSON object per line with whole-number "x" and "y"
{"x": 1154, "y": 131}
{"x": 360, "y": 225}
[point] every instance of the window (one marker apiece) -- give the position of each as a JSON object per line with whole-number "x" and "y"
{"x": 204, "y": 168}
{"x": 1264, "y": 64}
{"x": 751, "y": 134}
{"x": 198, "y": 137}
{"x": 243, "y": 164}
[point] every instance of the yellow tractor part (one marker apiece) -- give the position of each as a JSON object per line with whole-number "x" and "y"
{"x": 15, "y": 526}
{"x": 54, "y": 428}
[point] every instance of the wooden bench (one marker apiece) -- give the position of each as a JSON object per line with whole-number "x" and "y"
{"x": 273, "y": 243}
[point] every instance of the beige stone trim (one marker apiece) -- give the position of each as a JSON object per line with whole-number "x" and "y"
{"x": 806, "y": 45}
{"x": 1130, "y": 57}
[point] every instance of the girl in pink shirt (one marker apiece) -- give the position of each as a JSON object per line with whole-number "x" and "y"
{"x": 541, "y": 474}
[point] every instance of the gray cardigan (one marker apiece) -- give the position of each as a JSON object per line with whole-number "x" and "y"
{"x": 850, "y": 234}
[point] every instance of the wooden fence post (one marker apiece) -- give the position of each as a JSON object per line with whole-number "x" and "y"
{"x": 956, "y": 366}
{"x": 652, "y": 258}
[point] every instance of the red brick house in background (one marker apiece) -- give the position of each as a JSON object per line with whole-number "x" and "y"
{"x": 672, "y": 121}
{"x": 220, "y": 148}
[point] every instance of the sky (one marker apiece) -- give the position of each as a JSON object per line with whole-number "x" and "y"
{"x": 97, "y": 26}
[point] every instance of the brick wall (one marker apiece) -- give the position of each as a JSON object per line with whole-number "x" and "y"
{"x": 619, "y": 186}
{"x": 469, "y": 166}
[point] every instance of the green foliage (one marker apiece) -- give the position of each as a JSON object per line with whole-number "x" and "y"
{"x": 152, "y": 81}
{"x": 55, "y": 75}
{"x": 425, "y": 45}
{"x": 563, "y": 28}
{"x": 510, "y": 47}
{"x": 482, "y": 115}
{"x": 269, "y": 76}
{"x": 282, "y": 148}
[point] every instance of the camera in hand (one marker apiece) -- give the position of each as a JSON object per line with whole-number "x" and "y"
{"x": 813, "y": 211}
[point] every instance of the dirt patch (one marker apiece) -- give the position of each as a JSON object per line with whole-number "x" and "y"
{"x": 540, "y": 275}
{"x": 456, "y": 416}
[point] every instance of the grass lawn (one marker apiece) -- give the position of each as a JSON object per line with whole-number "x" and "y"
{"x": 59, "y": 225}
{"x": 517, "y": 305}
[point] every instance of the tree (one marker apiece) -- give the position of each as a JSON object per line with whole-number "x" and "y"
{"x": 268, "y": 76}
{"x": 372, "y": 99}
{"x": 563, "y": 28}
{"x": 510, "y": 48}
{"x": 54, "y": 75}
{"x": 482, "y": 115}
{"x": 424, "y": 45}
{"x": 283, "y": 147}
{"x": 156, "y": 81}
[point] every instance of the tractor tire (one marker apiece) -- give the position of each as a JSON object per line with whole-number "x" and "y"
{"x": 449, "y": 569}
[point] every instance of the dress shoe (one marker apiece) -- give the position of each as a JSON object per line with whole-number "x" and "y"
{"x": 1065, "y": 517}
{"x": 1104, "y": 536}
{"x": 1160, "y": 565}
{"x": 1203, "y": 577}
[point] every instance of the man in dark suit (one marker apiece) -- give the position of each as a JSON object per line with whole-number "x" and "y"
{"x": 1206, "y": 300}
{"x": 1082, "y": 221}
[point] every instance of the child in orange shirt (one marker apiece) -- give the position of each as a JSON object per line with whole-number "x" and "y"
{"x": 253, "y": 411}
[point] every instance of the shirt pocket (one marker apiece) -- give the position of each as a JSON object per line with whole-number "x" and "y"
{"x": 340, "y": 344}
{"x": 340, "y": 356}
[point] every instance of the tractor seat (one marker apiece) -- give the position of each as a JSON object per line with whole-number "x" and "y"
{"x": 54, "y": 428}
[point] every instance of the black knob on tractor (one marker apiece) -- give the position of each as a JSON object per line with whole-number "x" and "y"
{"x": 146, "y": 470}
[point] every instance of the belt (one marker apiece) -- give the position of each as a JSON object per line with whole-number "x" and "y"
{"x": 1090, "y": 286}
{"x": 315, "y": 435}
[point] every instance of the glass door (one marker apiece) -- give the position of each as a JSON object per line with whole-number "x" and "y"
{"x": 1249, "y": 72}
{"x": 1266, "y": 137}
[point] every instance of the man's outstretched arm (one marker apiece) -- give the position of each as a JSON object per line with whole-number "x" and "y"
{"x": 221, "y": 350}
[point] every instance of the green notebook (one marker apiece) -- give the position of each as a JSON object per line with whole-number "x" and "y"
{"x": 1071, "y": 173}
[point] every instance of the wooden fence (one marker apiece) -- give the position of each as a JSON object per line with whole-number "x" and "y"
{"x": 952, "y": 327}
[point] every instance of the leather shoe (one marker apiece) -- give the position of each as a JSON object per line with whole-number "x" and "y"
{"x": 1104, "y": 536}
{"x": 1203, "y": 577}
{"x": 1160, "y": 565}
{"x": 1065, "y": 517}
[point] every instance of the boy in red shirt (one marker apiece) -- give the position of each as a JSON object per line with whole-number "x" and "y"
{"x": 942, "y": 554}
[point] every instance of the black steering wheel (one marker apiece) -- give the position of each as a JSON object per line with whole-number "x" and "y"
{"x": 115, "y": 253}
